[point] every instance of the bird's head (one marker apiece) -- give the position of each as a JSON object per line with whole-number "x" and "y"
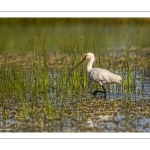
{"x": 89, "y": 56}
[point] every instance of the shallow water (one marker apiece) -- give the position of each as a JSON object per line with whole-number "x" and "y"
{"x": 76, "y": 110}
{"x": 80, "y": 112}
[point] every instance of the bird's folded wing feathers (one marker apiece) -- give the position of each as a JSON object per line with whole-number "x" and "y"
{"x": 102, "y": 75}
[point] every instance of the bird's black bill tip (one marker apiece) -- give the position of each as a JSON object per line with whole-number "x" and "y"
{"x": 78, "y": 64}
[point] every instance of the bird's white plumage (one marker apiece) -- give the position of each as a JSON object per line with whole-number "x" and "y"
{"x": 102, "y": 76}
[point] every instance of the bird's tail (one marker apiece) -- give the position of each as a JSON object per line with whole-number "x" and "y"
{"x": 116, "y": 78}
{"x": 119, "y": 79}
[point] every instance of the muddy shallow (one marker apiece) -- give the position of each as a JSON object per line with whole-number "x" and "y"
{"x": 78, "y": 111}
{"x": 118, "y": 113}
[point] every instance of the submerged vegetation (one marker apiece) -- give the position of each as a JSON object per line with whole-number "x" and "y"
{"x": 38, "y": 92}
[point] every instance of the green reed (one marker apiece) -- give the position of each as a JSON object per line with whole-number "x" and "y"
{"x": 25, "y": 82}
{"x": 128, "y": 82}
{"x": 142, "y": 78}
{"x": 46, "y": 79}
{"x": 43, "y": 81}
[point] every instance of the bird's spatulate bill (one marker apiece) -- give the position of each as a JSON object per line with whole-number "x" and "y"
{"x": 79, "y": 63}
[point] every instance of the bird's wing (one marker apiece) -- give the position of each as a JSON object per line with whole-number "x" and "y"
{"x": 97, "y": 75}
{"x": 104, "y": 76}
{"x": 113, "y": 78}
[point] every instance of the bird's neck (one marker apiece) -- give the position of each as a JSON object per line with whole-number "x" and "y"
{"x": 90, "y": 63}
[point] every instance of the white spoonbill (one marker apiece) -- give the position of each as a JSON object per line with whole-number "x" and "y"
{"x": 99, "y": 75}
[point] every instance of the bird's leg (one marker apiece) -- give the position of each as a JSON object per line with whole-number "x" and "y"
{"x": 96, "y": 91}
{"x": 104, "y": 90}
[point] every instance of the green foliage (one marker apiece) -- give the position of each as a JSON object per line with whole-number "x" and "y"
{"x": 72, "y": 21}
{"x": 35, "y": 72}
